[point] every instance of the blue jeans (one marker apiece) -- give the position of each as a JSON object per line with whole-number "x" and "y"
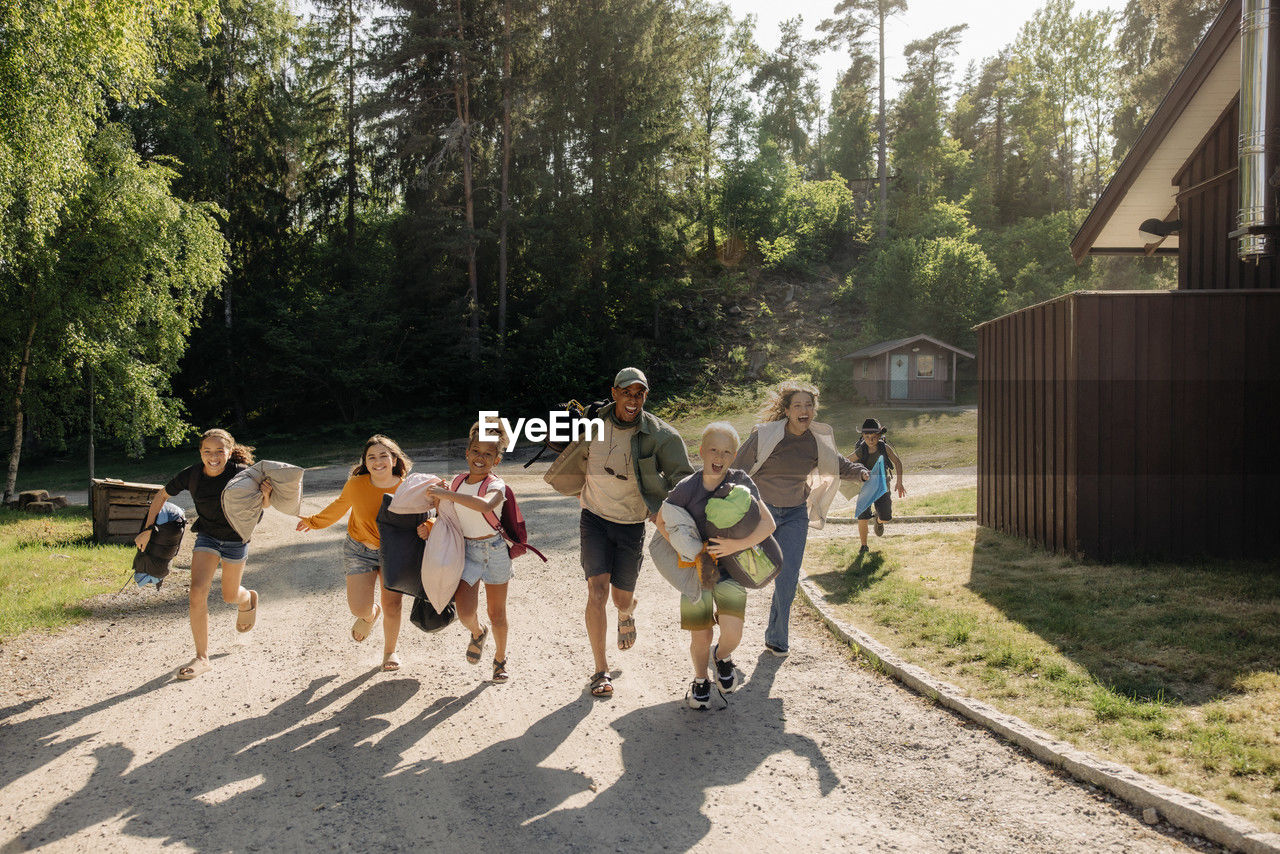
{"x": 792, "y": 534}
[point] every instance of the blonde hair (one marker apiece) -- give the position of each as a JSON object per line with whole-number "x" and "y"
{"x": 401, "y": 465}
{"x": 775, "y": 407}
{"x": 724, "y": 428}
{"x": 238, "y": 453}
{"x": 502, "y": 440}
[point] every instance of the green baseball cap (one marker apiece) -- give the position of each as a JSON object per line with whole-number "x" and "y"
{"x": 630, "y": 376}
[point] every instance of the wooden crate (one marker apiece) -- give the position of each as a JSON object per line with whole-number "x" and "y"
{"x": 119, "y": 509}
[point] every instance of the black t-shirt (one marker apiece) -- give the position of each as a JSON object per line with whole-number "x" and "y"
{"x": 208, "y": 499}
{"x": 862, "y": 452}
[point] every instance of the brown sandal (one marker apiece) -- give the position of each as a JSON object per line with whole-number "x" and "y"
{"x": 627, "y": 629}
{"x": 601, "y": 685}
{"x": 247, "y": 617}
{"x": 476, "y": 647}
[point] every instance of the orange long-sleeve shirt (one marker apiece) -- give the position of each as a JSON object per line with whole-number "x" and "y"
{"x": 363, "y": 499}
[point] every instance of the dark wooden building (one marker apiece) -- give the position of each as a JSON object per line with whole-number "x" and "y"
{"x": 918, "y": 369}
{"x": 1142, "y": 423}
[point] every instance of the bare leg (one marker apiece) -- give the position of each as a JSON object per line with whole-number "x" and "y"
{"x": 700, "y": 651}
{"x": 730, "y": 636}
{"x": 360, "y": 589}
{"x": 467, "y": 602}
{"x": 203, "y": 567}
{"x": 597, "y": 619}
{"x": 862, "y": 531}
{"x": 495, "y": 597}
{"x": 392, "y": 609}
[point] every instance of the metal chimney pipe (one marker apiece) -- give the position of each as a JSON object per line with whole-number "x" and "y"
{"x": 1259, "y": 221}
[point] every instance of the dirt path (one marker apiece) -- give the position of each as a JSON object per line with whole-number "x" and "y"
{"x": 296, "y": 741}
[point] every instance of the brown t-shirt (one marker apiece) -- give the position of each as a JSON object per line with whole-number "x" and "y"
{"x": 783, "y": 477}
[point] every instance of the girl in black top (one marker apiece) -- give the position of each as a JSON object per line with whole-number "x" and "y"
{"x": 221, "y": 458}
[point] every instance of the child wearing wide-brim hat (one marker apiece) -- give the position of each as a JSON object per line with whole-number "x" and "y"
{"x": 870, "y": 447}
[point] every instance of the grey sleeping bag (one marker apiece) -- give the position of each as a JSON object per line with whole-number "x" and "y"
{"x": 666, "y": 557}
{"x": 242, "y": 498}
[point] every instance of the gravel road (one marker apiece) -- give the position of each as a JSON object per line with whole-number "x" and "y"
{"x": 296, "y": 741}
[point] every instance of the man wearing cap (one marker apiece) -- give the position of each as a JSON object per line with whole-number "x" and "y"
{"x": 871, "y": 447}
{"x": 621, "y": 480}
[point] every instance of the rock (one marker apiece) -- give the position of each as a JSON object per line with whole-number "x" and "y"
{"x": 1150, "y": 815}
{"x": 58, "y": 501}
{"x": 735, "y": 309}
{"x": 791, "y": 294}
{"x": 30, "y": 495}
{"x": 38, "y": 507}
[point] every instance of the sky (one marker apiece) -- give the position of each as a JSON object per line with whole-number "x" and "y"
{"x": 992, "y": 25}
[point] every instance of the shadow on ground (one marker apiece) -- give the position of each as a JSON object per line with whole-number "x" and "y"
{"x": 325, "y": 768}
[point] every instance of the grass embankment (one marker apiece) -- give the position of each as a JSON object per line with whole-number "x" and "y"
{"x": 49, "y": 565}
{"x": 939, "y": 503}
{"x": 1172, "y": 670}
{"x": 924, "y": 439}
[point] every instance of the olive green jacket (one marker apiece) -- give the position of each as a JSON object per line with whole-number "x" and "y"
{"x": 660, "y": 458}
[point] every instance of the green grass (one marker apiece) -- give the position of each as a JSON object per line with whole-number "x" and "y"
{"x": 49, "y": 566}
{"x": 1172, "y": 669}
{"x": 924, "y": 439}
{"x": 939, "y": 503}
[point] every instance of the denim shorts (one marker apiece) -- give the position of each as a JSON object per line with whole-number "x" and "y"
{"x": 357, "y": 558}
{"x": 487, "y": 561}
{"x": 231, "y": 551}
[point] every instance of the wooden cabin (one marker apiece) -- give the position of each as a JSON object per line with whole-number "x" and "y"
{"x": 1115, "y": 424}
{"x": 918, "y": 369}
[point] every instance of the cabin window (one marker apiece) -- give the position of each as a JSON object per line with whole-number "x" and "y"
{"x": 865, "y": 371}
{"x": 924, "y": 366}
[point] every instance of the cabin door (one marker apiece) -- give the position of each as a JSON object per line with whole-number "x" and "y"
{"x": 898, "y": 376}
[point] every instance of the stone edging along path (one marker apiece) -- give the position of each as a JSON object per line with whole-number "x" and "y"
{"x": 1177, "y": 807}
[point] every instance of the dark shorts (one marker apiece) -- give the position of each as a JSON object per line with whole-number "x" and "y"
{"x": 883, "y": 507}
{"x": 611, "y": 548}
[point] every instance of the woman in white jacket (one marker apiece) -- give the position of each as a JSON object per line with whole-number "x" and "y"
{"x": 794, "y": 462}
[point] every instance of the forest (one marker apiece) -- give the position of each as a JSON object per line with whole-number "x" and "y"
{"x": 253, "y": 214}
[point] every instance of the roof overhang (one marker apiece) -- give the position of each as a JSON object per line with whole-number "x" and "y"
{"x": 1142, "y": 186}
{"x": 888, "y": 346}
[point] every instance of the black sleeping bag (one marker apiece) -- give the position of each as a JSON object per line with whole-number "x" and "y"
{"x": 401, "y": 549}
{"x": 162, "y": 548}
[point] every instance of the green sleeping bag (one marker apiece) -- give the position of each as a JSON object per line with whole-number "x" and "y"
{"x": 735, "y": 514}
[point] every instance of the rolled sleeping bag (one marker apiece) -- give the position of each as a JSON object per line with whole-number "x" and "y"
{"x": 412, "y": 496}
{"x": 242, "y": 498}
{"x": 442, "y": 558}
{"x": 401, "y": 549}
{"x": 668, "y": 557}
{"x": 736, "y": 515}
{"x": 152, "y": 565}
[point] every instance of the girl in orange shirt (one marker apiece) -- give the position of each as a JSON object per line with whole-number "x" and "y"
{"x": 381, "y": 470}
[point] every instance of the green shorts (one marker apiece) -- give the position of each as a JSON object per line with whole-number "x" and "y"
{"x": 728, "y": 598}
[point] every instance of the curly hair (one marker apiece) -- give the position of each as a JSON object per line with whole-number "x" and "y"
{"x": 775, "y": 406}
{"x": 238, "y": 453}
{"x": 401, "y": 465}
{"x": 503, "y": 438}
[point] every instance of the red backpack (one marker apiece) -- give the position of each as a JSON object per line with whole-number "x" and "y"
{"x": 511, "y": 526}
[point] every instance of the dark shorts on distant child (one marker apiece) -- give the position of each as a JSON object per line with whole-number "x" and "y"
{"x": 883, "y": 507}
